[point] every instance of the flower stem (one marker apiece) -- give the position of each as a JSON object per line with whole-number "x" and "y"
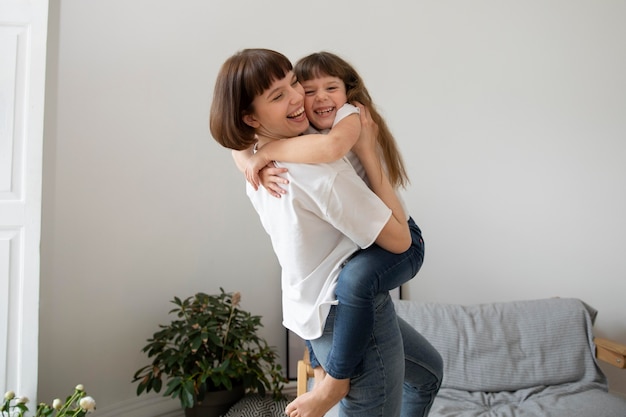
{"x": 69, "y": 402}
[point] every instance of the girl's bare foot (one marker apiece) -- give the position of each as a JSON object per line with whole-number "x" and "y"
{"x": 318, "y": 375}
{"x": 317, "y": 402}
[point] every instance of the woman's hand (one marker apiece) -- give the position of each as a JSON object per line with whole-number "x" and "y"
{"x": 271, "y": 180}
{"x": 395, "y": 236}
{"x": 369, "y": 132}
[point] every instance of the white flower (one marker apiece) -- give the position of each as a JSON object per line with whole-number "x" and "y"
{"x": 80, "y": 387}
{"x": 57, "y": 404}
{"x": 236, "y": 298}
{"x": 88, "y": 403}
{"x": 22, "y": 400}
{"x": 9, "y": 395}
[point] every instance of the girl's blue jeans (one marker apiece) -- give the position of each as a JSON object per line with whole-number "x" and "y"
{"x": 369, "y": 272}
{"x": 400, "y": 372}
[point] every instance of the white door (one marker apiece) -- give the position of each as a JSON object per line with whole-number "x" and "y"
{"x": 23, "y": 31}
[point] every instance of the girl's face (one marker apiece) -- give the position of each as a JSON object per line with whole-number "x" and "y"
{"x": 279, "y": 110}
{"x": 323, "y": 96}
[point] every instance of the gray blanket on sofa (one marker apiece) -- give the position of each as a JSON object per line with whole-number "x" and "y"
{"x": 527, "y": 358}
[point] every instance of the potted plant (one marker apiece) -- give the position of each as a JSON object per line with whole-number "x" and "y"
{"x": 211, "y": 346}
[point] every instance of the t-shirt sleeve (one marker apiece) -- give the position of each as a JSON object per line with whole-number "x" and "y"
{"x": 345, "y": 111}
{"x": 354, "y": 209}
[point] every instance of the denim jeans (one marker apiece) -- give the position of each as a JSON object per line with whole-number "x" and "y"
{"x": 400, "y": 373}
{"x": 369, "y": 272}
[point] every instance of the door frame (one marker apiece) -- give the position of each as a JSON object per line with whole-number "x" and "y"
{"x": 23, "y": 39}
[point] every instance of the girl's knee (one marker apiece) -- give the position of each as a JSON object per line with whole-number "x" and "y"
{"x": 354, "y": 286}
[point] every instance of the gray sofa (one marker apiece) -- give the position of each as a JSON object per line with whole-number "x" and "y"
{"x": 517, "y": 359}
{"x": 528, "y": 358}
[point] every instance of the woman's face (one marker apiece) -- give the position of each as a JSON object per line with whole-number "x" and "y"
{"x": 279, "y": 110}
{"x": 323, "y": 96}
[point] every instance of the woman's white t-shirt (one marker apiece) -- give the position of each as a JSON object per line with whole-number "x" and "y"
{"x": 327, "y": 214}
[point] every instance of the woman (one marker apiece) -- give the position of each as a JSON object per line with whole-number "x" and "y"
{"x": 328, "y": 214}
{"x": 329, "y": 83}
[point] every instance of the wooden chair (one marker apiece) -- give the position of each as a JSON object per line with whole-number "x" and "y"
{"x": 305, "y": 371}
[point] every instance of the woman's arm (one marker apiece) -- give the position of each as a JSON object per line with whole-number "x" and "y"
{"x": 395, "y": 236}
{"x": 311, "y": 149}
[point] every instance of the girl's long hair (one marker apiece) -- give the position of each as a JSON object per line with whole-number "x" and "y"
{"x": 324, "y": 63}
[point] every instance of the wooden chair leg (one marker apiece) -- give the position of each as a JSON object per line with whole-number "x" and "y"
{"x": 305, "y": 371}
{"x": 302, "y": 378}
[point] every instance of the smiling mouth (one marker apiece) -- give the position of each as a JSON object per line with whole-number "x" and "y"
{"x": 325, "y": 111}
{"x": 296, "y": 114}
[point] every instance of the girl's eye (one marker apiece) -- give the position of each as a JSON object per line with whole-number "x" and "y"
{"x": 277, "y": 97}
{"x": 332, "y": 88}
{"x": 309, "y": 92}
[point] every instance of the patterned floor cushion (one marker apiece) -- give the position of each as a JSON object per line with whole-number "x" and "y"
{"x": 255, "y": 405}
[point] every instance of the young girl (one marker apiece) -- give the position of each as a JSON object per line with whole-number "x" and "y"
{"x": 329, "y": 82}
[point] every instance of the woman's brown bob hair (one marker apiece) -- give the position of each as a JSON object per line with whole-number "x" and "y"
{"x": 242, "y": 77}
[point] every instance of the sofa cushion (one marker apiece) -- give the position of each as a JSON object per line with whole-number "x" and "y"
{"x": 509, "y": 346}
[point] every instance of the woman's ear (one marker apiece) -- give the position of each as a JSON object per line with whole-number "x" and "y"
{"x": 251, "y": 121}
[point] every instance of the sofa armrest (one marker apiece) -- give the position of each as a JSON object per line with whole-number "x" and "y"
{"x": 611, "y": 352}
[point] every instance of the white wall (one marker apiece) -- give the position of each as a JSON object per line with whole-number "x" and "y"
{"x": 511, "y": 117}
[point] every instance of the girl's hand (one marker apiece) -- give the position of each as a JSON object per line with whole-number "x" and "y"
{"x": 253, "y": 165}
{"x": 270, "y": 179}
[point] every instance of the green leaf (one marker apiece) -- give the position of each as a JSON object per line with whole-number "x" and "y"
{"x": 141, "y": 387}
{"x": 173, "y": 386}
{"x": 187, "y": 394}
{"x": 196, "y": 342}
{"x": 157, "y": 384}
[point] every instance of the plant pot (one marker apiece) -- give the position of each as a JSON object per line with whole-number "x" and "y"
{"x": 216, "y": 403}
